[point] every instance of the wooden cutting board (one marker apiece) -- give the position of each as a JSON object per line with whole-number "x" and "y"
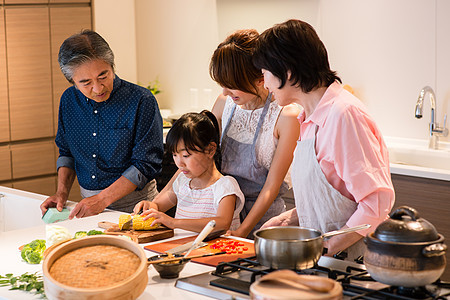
{"x": 143, "y": 236}
{"x": 211, "y": 260}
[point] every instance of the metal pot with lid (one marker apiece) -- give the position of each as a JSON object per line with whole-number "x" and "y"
{"x": 405, "y": 250}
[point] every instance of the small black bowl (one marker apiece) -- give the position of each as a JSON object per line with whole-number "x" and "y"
{"x": 168, "y": 270}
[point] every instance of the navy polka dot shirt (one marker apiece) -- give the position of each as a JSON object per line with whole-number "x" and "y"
{"x": 120, "y": 136}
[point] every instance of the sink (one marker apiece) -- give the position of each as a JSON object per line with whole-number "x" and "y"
{"x": 414, "y": 158}
{"x": 427, "y": 158}
{"x": 13, "y": 216}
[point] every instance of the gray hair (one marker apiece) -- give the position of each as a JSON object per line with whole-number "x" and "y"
{"x": 81, "y": 48}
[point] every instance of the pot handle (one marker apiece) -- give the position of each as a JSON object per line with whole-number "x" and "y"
{"x": 405, "y": 210}
{"x": 434, "y": 250}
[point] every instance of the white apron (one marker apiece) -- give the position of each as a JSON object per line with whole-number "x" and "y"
{"x": 319, "y": 205}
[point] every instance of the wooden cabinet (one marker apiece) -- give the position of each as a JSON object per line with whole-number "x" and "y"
{"x": 44, "y": 185}
{"x": 29, "y": 72}
{"x": 69, "y": 1}
{"x": 4, "y": 106}
{"x": 5, "y": 163}
{"x": 431, "y": 198}
{"x": 33, "y": 159}
{"x": 64, "y": 21}
{"x": 26, "y": 1}
{"x": 31, "y": 84}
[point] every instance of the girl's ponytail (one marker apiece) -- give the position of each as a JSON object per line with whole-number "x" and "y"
{"x": 218, "y": 154}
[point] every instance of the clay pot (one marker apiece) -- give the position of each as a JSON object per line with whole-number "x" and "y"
{"x": 405, "y": 250}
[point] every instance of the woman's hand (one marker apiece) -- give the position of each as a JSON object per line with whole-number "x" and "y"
{"x": 275, "y": 221}
{"x": 237, "y": 232}
{"x": 284, "y": 219}
{"x": 160, "y": 218}
{"x": 341, "y": 242}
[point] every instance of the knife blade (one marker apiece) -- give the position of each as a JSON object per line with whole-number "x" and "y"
{"x": 205, "y": 231}
{"x": 183, "y": 248}
{"x": 127, "y": 225}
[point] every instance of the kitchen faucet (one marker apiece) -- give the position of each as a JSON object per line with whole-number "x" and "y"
{"x": 435, "y": 130}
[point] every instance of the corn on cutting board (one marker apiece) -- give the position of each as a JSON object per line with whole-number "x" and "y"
{"x": 143, "y": 236}
{"x": 211, "y": 260}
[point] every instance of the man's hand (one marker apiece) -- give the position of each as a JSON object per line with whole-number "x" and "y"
{"x": 57, "y": 200}
{"x": 89, "y": 206}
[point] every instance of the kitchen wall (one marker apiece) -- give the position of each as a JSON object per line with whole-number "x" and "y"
{"x": 115, "y": 20}
{"x": 386, "y": 50}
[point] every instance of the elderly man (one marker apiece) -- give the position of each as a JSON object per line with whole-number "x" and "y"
{"x": 109, "y": 132}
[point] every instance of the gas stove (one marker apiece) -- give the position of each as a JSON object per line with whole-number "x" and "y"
{"x": 232, "y": 280}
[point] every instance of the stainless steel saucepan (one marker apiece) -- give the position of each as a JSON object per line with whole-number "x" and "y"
{"x": 293, "y": 247}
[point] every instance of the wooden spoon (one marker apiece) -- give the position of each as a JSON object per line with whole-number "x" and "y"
{"x": 304, "y": 282}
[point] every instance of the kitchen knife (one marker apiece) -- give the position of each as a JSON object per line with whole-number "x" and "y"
{"x": 183, "y": 248}
{"x": 127, "y": 225}
{"x": 206, "y": 230}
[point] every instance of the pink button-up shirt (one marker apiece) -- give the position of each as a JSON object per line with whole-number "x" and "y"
{"x": 352, "y": 154}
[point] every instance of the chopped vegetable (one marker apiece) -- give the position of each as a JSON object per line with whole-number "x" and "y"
{"x": 32, "y": 252}
{"x": 123, "y": 219}
{"x": 138, "y": 222}
{"x": 229, "y": 246}
{"x": 56, "y": 234}
{"x": 80, "y": 234}
{"x": 32, "y": 283}
{"x": 94, "y": 232}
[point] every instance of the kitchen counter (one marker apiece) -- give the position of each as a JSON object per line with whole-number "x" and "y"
{"x": 412, "y": 157}
{"x": 11, "y": 261}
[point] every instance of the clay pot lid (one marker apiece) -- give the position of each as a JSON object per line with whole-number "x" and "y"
{"x": 405, "y": 226}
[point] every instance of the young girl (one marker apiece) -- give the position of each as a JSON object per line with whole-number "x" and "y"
{"x": 199, "y": 190}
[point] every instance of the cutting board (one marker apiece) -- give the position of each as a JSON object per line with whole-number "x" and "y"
{"x": 211, "y": 260}
{"x": 143, "y": 236}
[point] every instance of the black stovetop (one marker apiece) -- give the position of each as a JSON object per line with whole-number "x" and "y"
{"x": 232, "y": 280}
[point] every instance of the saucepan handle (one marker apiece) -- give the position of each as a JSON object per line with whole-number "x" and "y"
{"x": 345, "y": 230}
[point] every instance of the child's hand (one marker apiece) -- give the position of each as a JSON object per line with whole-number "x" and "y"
{"x": 160, "y": 218}
{"x": 143, "y": 205}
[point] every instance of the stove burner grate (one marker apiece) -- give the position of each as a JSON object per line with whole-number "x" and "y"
{"x": 348, "y": 278}
{"x": 392, "y": 292}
